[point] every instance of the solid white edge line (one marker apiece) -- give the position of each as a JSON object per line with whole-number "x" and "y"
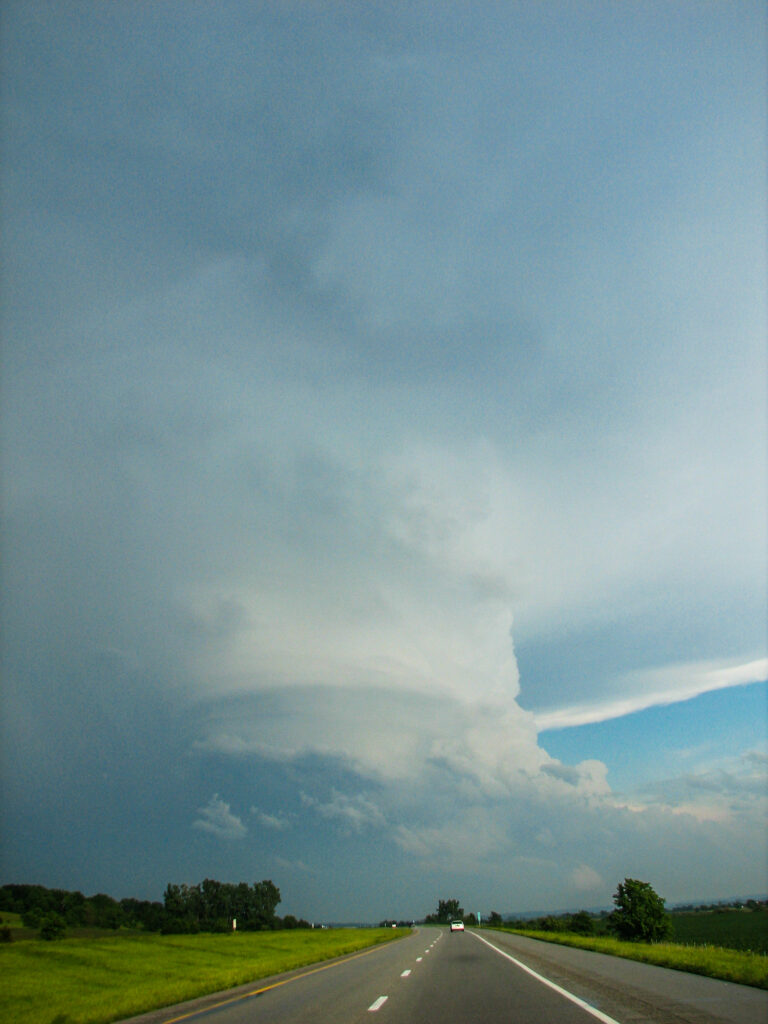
{"x": 378, "y": 1004}
{"x": 550, "y": 984}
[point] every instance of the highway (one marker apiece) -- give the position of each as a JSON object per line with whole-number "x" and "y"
{"x": 476, "y": 977}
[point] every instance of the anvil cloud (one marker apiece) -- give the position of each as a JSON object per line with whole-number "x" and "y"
{"x": 384, "y": 451}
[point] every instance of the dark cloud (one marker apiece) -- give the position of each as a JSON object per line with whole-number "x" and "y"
{"x": 342, "y": 347}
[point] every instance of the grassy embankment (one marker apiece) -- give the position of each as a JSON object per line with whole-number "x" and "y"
{"x": 743, "y": 966}
{"x": 98, "y": 980}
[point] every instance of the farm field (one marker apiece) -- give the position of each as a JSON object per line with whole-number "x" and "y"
{"x": 98, "y": 980}
{"x": 732, "y": 929}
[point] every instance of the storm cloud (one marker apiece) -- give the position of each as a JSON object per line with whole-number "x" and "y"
{"x": 381, "y": 389}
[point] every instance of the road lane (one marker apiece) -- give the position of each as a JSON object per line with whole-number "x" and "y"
{"x": 466, "y": 982}
{"x": 631, "y": 992}
{"x": 553, "y": 986}
{"x": 470, "y": 978}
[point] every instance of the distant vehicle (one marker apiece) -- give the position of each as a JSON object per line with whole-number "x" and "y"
{"x": 457, "y": 926}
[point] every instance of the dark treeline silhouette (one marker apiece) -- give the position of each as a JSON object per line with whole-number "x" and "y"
{"x": 447, "y": 910}
{"x": 582, "y": 923}
{"x": 213, "y": 906}
{"x": 36, "y": 903}
{"x": 209, "y": 906}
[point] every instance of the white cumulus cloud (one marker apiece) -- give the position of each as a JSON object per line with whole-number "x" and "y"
{"x": 355, "y": 813}
{"x": 217, "y": 818}
{"x": 274, "y": 821}
{"x": 586, "y": 879}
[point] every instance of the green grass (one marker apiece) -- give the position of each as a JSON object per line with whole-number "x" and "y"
{"x": 95, "y": 981}
{"x": 742, "y": 967}
{"x": 17, "y": 929}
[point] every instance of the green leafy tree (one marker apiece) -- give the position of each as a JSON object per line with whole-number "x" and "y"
{"x": 174, "y": 904}
{"x": 143, "y": 914}
{"x": 52, "y": 927}
{"x": 103, "y": 912}
{"x": 494, "y": 919}
{"x": 640, "y": 915}
{"x": 32, "y": 917}
{"x": 242, "y": 904}
{"x": 266, "y": 897}
{"x": 449, "y": 910}
{"x": 552, "y": 923}
{"x": 581, "y": 923}
{"x": 212, "y": 906}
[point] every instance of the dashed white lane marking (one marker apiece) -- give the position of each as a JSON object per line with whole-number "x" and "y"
{"x": 405, "y": 973}
{"x": 603, "y": 1017}
{"x": 419, "y": 959}
{"x": 378, "y": 1004}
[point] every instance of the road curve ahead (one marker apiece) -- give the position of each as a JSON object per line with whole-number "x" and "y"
{"x": 477, "y": 977}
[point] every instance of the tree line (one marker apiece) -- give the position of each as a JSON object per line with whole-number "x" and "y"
{"x": 639, "y": 916}
{"x": 581, "y": 923}
{"x": 212, "y": 906}
{"x": 208, "y": 906}
{"x": 447, "y": 911}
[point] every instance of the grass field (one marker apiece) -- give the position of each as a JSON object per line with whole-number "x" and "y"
{"x": 744, "y": 968}
{"x": 95, "y": 981}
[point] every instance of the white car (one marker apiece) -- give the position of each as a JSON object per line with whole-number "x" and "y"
{"x": 457, "y": 926}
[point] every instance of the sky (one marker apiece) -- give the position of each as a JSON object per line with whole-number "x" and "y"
{"x": 384, "y": 446}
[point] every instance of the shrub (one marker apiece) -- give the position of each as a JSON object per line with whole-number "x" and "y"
{"x": 52, "y": 927}
{"x": 32, "y": 918}
{"x": 581, "y": 923}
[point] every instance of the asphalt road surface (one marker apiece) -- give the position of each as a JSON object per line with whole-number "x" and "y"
{"x": 476, "y": 977}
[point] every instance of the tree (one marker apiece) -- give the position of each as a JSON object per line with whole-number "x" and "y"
{"x": 495, "y": 920}
{"x": 640, "y": 915}
{"x": 448, "y": 910}
{"x": 143, "y": 914}
{"x": 52, "y": 927}
{"x": 212, "y": 906}
{"x": 174, "y": 904}
{"x": 266, "y": 897}
{"x": 103, "y": 911}
{"x": 215, "y": 904}
{"x": 581, "y": 923}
